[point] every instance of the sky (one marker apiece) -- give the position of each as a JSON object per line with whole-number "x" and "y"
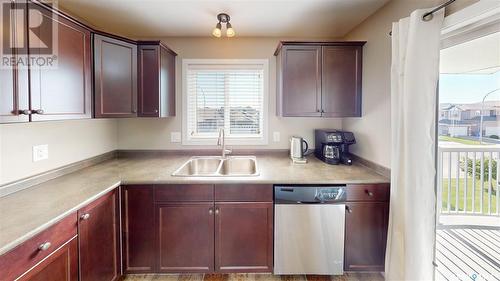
{"x": 468, "y": 88}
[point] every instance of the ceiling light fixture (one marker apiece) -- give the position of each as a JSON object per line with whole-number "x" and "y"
{"x": 223, "y": 18}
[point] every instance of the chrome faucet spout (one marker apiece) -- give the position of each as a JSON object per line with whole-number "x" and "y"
{"x": 221, "y": 141}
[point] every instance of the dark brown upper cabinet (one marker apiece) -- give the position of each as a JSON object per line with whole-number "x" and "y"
{"x": 115, "y": 77}
{"x": 98, "y": 237}
{"x": 61, "y": 89}
{"x": 14, "y": 97}
{"x": 299, "y": 81}
{"x": 156, "y": 78}
{"x": 64, "y": 92}
{"x": 319, "y": 79}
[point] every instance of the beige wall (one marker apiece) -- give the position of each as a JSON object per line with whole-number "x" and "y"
{"x": 69, "y": 141}
{"x": 372, "y": 131}
{"x": 155, "y": 133}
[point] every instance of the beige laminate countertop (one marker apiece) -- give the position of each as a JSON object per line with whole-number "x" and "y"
{"x": 25, "y": 213}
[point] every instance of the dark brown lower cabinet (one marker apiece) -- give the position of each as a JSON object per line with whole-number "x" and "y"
{"x": 61, "y": 265}
{"x": 244, "y": 237}
{"x": 138, "y": 229}
{"x": 98, "y": 231}
{"x": 184, "y": 229}
{"x": 185, "y": 237}
{"x": 365, "y": 236}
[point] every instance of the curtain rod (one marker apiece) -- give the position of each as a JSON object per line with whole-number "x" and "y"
{"x": 429, "y": 15}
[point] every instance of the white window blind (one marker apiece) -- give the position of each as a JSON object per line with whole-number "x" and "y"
{"x": 225, "y": 95}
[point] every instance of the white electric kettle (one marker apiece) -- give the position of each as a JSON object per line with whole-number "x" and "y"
{"x": 298, "y": 147}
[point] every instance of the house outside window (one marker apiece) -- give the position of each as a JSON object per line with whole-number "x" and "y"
{"x": 228, "y": 94}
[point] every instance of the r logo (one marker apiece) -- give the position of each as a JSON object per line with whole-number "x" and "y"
{"x": 37, "y": 38}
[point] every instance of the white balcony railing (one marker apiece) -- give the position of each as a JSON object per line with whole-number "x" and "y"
{"x": 468, "y": 180}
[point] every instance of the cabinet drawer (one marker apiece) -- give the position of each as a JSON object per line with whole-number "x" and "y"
{"x": 23, "y": 257}
{"x": 244, "y": 192}
{"x": 184, "y": 192}
{"x": 368, "y": 192}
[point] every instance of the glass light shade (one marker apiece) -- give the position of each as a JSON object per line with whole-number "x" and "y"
{"x": 217, "y": 32}
{"x": 230, "y": 31}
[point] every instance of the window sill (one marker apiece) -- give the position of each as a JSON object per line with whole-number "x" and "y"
{"x": 231, "y": 142}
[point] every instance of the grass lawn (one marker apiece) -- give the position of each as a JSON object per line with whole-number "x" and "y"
{"x": 458, "y": 140}
{"x": 477, "y": 195}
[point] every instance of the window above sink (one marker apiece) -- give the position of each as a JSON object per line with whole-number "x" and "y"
{"x": 225, "y": 93}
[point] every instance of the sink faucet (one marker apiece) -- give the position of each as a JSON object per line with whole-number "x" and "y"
{"x": 222, "y": 142}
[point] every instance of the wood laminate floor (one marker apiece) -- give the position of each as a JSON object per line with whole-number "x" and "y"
{"x": 253, "y": 277}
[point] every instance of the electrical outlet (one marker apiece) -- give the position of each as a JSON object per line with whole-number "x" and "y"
{"x": 175, "y": 137}
{"x": 276, "y": 136}
{"x": 40, "y": 152}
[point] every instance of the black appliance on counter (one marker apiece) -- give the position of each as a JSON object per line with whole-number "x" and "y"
{"x": 332, "y": 146}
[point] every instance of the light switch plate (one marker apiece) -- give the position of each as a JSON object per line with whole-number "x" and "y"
{"x": 276, "y": 136}
{"x": 40, "y": 152}
{"x": 175, "y": 137}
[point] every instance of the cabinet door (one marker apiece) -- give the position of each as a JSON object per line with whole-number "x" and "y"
{"x": 14, "y": 99}
{"x": 149, "y": 81}
{"x": 61, "y": 265}
{"x": 341, "y": 81}
{"x": 98, "y": 230}
{"x": 115, "y": 72}
{"x": 138, "y": 229}
{"x": 61, "y": 89}
{"x": 167, "y": 83}
{"x": 244, "y": 237}
{"x": 366, "y": 236}
{"x": 185, "y": 237}
{"x": 300, "y": 81}
{"x": 156, "y": 96}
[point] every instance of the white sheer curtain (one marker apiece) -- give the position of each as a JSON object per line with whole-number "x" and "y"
{"x": 414, "y": 77}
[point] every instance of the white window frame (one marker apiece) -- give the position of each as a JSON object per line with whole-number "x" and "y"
{"x": 246, "y": 140}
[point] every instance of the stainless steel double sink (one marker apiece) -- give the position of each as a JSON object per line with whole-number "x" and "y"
{"x": 216, "y": 166}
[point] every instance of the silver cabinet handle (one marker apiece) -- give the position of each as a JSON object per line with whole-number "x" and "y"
{"x": 156, "y": 110}
{"x": 217, "y": 211}
{"x": 38, "y": 111}
{"x": 25, "y": 112}
{"x": 210, "y": 211}
{"x": 369, "y": 193}
{"x": 44, "y": 246}
{"x": 85, "y": 216}
{"x": 349, "y": 210}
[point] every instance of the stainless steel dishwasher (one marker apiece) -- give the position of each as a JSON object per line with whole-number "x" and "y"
{"x": 309, "y": 229}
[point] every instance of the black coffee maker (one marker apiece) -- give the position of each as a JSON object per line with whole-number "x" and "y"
{"x": 332, "y": 146}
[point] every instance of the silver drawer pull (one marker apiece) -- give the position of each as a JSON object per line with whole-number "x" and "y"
{"x": 369, "y": 193}
{"x": 38, "y": 111}
{"x": 44, "y": 246}
{"x": 348, "y": 209}
{"x": 85, "y": 216}
{"x": 217, "y": 211}
{"x": 210, "y": 211}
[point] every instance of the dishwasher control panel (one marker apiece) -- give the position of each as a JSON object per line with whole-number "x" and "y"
{"x": 309, "y": 194}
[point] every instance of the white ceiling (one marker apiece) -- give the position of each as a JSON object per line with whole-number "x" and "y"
{"x": 257, "y": 18}
{"x": 479, "y": 56}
